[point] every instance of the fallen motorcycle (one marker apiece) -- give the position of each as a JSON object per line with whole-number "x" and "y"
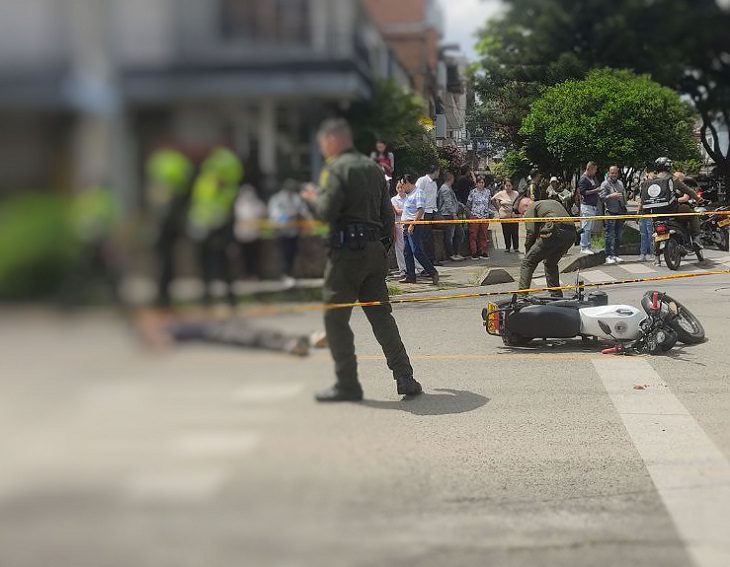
{"x": 654, "y": 329}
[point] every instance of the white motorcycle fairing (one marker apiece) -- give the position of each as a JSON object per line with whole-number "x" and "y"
{"x": 622, "y": 322}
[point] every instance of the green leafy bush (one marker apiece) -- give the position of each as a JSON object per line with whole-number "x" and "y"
{"x": 38, "y": 245}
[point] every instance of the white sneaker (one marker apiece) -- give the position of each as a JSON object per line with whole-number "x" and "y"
{"x": 610, "y": 260}
{"x": 618, "y": 260}
{"x": 586, "y": 251}
{"x": 642, "y": 258}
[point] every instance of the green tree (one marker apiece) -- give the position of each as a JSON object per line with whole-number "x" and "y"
{"x": 394, "y": 116}
{"x": 539, "y": 43}
{"x": 451, "y": 158}
{"x": 612, "y": 117}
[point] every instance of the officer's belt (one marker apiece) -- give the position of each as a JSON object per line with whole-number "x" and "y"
{"x": 354, "y": 235}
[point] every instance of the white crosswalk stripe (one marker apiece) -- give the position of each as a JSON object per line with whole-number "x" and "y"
{"x": 176, "y": 485}
{"x": 690, "y": 473}
{"x": 596, "y": 276}
{"x": 638, "y": 268}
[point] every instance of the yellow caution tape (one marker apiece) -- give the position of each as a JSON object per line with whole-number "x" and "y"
{"x": 278, "y": 309}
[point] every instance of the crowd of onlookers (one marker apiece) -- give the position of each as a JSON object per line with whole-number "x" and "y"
{"x": 467, "y": 196}
{"x": 227, "y": 221}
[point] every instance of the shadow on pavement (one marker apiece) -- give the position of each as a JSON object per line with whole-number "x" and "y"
{"x": 447, "y": 403}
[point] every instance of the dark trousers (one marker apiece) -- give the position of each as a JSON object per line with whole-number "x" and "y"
{"x": 289, "y": 246}
{"x": 359, "y": 275}
{"x": 427, "y": 238}
{"x": 549, "y": 251}
{"x": 453, "y": 236}
{"x": 165, "y": 252}
{"x": 413, "y": 251}
{"x": 214, "y": 262}
{"x": 250, "y": 253}
{"x": 511, "y": 233}
{"x": 614, "y": 230}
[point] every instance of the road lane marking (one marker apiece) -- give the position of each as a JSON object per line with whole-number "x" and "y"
{"x": 215, "y": 444}
{"x": 597, "y": 276}
{"x": 638, "y": 269}
{"x": 690, "y": 473}
{"x": 526, "y": 355}
{"x": 175, "y": 486}
{"x": 264, "y": 393}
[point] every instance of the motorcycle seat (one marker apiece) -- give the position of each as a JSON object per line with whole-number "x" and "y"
{"x": 545, "y": 321}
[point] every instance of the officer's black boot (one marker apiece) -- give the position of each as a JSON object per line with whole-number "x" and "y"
{"x": 407, "y": 386}
{"x": 338, "y": 394}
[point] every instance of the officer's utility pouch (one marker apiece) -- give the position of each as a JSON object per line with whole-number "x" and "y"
{"x": 357, "y": 236}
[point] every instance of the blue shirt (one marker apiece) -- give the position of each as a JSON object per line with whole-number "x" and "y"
{"x": 414, "y": 201}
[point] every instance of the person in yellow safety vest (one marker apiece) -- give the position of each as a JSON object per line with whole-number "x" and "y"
{"x": 169, "y": 174}
{"x": 210, "y": 218}
{"x": 95, "y": 214}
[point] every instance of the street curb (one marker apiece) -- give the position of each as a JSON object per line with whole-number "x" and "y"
{"x": 494, "y": 276}
{"x": 584, "y": 261}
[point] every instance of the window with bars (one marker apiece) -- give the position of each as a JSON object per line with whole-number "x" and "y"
{"x": 266, "y": 21}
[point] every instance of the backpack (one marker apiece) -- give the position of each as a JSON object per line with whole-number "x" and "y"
{"x": 658, "y": 196}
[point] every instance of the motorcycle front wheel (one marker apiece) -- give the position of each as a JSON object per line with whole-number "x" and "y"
{"x": 672, "y": 254}
{"x": 688, "y": 327}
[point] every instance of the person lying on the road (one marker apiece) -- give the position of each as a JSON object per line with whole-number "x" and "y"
{"x": 546, "y": 241}
{"x": 163, "y": 331}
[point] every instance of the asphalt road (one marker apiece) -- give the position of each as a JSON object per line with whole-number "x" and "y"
{"x": 113, "y": 456}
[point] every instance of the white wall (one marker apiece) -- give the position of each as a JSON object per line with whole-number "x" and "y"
{"x": 31, "y": 33}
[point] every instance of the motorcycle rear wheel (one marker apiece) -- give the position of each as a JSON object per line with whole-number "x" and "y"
{"x": 672, "y": 254}
{"x": 688, "y": 327}
{"x": 511, "y": 339}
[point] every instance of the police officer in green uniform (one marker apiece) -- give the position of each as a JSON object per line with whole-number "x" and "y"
{"x": 546, "y": 241}
{"x": 353, "y": 198}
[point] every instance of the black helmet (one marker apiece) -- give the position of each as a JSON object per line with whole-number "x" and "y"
{"x": 663, "y": 164}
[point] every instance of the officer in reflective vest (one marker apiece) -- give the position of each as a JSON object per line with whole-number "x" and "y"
{"x": 210, "y": 219}
{"x": 169, "y": 175}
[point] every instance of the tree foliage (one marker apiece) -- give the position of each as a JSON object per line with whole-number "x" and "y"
{"x": 451, "y": 157}
{"x": 539, "y": 43}
{"x": 394, "y": 116}
{"x": 611, "y": 117}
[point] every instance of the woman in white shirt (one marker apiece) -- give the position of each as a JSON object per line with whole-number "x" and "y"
{"x": 504, "y": 202}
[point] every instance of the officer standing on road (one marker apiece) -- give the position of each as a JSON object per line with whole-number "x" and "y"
{"x": 546, "y": 241}
{"x": 353, "y": 198}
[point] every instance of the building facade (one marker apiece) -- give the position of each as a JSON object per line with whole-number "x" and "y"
{"x": 413, "y": 29}
{"x": 89, "y": 88}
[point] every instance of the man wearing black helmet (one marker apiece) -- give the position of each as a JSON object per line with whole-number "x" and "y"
{"x": 665, "y": 194}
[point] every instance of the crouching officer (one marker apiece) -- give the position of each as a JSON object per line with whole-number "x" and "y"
{"x": 546, "y": 241}
{"x": 353, "y": 199}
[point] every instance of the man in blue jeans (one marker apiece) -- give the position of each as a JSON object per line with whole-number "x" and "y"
{"x": 589, "y": 188}
{"x": 413, "y": 235}
{"x": 613, "y": 196}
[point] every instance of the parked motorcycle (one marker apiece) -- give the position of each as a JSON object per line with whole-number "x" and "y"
{"x": 655, "y": 330}
{"x": 673, "y": 241}
{"x": 715, "y": 228}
